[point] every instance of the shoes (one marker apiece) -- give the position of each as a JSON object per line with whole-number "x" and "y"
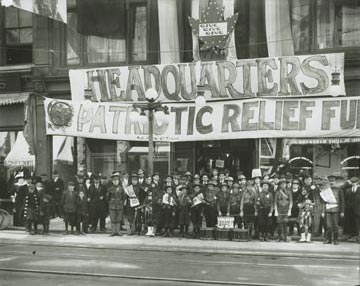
{"x": 66, "y": 232}
{"x": 114, "y": 234}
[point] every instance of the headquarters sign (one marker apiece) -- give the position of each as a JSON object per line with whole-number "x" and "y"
{"x": 288, "y": 76}
{"x": 236, "y": 119}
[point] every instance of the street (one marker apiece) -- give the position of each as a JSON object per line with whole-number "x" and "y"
{"x": 64, "y": 265}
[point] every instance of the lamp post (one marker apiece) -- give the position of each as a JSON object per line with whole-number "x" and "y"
{"x": 151, "y": 105}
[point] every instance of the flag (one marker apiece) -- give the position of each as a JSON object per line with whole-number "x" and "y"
{"x": 55, "y": 9}
{"x": 105, "y": 18}
{"x": 29, "y": 128}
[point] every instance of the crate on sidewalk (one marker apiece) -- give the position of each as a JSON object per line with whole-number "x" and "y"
{"x": 225, "y": 225}
{"x": 207, "y": 233}
{"x": 240, "y": 234}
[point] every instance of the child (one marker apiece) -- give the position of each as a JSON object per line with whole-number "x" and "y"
{"x": 223, "y": 206}
{"x": 82, "y": 213}
{"x": 235, "y": 201}
{"x": 283, "y": 205}
{"x": 45, "y": 207}
{"x": 68, "y": 201}
{"x": 248, "y": 207}
{"x": 31, "y": 210}
{"x": 197, "y": 199}
{"x": 183, "y": 202}
{"x": 265, "y": 211}
{"x": 168, "y": 206}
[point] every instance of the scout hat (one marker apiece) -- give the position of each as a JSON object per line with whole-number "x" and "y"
{"x": 188, "y": 173}
{"x": 265, "y": 183}
{"x": 296, "y": 182}
{"x": 96, "y": 177}
{"x": 229, "y": 179}
{"x": 354, "y": 180}
{"x": 242, "y": 177}
{"x": 140, "y": 172}
{"x": 155, "y": 174}
{"x": 196, "y": 185}
{"x": 282, "y": 180}
{"x": 196, "y": 176}
{"x": 115, "y": 174}
{"x": 71, "y": 183}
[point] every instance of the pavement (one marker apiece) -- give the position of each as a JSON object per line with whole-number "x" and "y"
{"x": 345, "y": 250}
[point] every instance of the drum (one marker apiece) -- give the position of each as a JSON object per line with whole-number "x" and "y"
{"x": 207, "y": 233}
{"x": 223, "y": 234}
{"x": 240, "y": 234}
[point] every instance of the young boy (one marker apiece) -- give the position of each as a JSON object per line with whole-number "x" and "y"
{"x": 168, "y": 206}
{"x": 183, "y": 203}
{"x": 282, "y": 205}
{"x": 31, "y": 210}
{"x": 265, "y": 211}
{"x": 82, "y": 213}
{"x": 248, "y": 207}
{"x": 45, "y": 207}
{"x": 235, "y": 201}
{"x": 223, "y": 206}
{"x": 197, "y": 201}
{"x": 68, "y": 201}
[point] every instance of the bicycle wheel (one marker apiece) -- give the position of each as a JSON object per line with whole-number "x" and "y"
{"x": 5, "y": 219}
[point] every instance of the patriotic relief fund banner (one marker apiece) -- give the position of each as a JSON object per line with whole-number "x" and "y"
{"x": 248, "y": 118}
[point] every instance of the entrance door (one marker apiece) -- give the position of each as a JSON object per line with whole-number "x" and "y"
{"x": 233, "y": 155}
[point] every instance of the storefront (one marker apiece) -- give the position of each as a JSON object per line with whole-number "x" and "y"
{"x": 248, "y": 115}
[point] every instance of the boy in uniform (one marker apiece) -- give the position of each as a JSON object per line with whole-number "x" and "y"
{"x": 235, "y": 202}
{"x": 168, "y": 210}
{"x": 197, "y": 199}
{"x": 68, "y": 201}
{"x": 45, "y": 207}
{"x": 265, "y": 210}
{"x": 183, "y": 208}
{"x": 248, "y": 207}
{"x": 282, "y": 205}
{"x": 82, "y": 213}
{"x": 210, "y": 206}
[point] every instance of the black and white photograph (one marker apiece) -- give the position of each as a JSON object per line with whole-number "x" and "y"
{"x": 180, "y": 142}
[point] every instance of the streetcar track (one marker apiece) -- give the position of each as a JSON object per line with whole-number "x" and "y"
{"x": 174, "y": 261}
{"x": 146, "y": 278}
{"x": 242, "y": 252}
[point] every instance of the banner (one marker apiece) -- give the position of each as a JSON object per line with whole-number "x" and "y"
{"x": 290, "y": 76}
{"x": 55, "y": 9}
{"x": 250, "y": 118}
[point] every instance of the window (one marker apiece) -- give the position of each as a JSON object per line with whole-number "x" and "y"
{"x": 107, "y": 32}
{"x": 338, "y": 23}
{"x": 18, "y": 36}
{"x": 325, "y": 24}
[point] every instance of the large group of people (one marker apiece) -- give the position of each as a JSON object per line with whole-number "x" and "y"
{"x": 264, "y": 205}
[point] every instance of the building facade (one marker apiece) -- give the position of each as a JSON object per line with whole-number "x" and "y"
{"x": 37, "y": 53}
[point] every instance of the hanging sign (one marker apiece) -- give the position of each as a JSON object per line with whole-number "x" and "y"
{"x": 236, "y": 119}
{"x": 290, "y": 76}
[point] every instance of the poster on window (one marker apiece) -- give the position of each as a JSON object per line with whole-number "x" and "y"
{"x": 55, "y": 9}
{"x": 236, "y": 119}
{"x": 290, "y": 76}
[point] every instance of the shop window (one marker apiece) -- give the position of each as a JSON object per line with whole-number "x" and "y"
{"x": 300, "y": 25}
{"x": 107, "y": 32}
{"x": 18, "y": 36}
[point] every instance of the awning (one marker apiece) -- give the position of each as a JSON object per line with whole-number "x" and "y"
{"x": 19, "y": 154}
{"x": 145, "y": 149}
{"x": 13, "y": 98}
{"x": 313, "y": 141}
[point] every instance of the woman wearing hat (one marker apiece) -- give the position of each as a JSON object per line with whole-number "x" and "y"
{"x": 116, "y": 198}
{"x": 282, "y": 204}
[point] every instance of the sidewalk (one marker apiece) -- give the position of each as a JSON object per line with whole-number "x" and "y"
{"x": 344, "y": 250}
